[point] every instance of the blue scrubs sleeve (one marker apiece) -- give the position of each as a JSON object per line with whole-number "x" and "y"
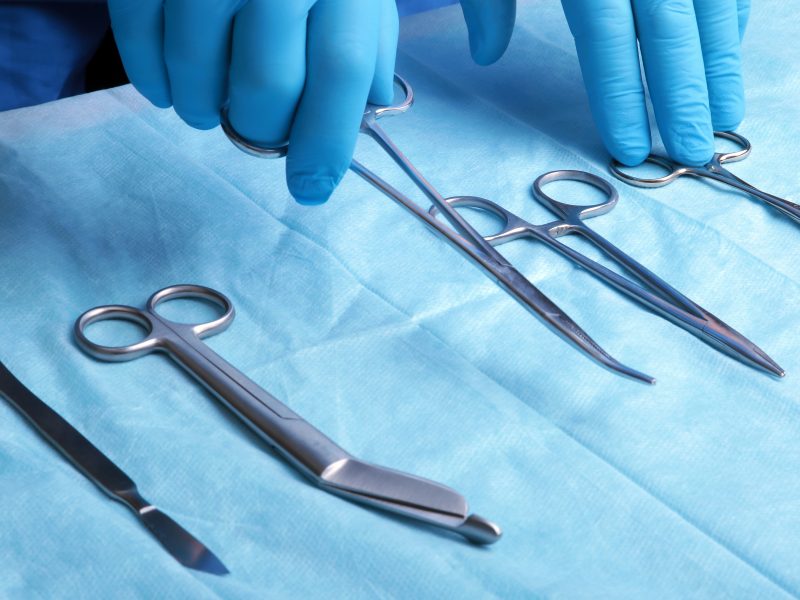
{"x": 44, "y": 49}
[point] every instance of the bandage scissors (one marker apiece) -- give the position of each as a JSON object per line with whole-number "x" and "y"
{"x": 482, "y": 252}
{"x": 306, "y": 448}
{"x": 712, "y": 170}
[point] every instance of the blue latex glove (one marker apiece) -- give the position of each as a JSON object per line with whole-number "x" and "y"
{"x": 299, "y": 71}
{"x": 691, "y": 56}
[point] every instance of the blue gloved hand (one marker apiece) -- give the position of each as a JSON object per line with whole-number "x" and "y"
{"x": 691, "y": 55}
{"x": 489, "y": 23}
{"x": 294, "y": 70}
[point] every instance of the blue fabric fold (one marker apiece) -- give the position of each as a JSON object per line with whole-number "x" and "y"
{"x": 386, "y": 339}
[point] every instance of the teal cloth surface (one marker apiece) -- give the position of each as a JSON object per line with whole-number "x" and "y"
{"x": 386, "y": 339}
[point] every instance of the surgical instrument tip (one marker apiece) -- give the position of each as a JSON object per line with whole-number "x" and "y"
{"x": 407, "y": 495}
{"x": 602, "y": 357}
{"x": 618, "y": 367}
{"x": 480, "y": 531}
{"x": 179, "y": 542}
{"x": 209, "y": 563}
{"x": 733, "y": 343}
{"x": 761, "y": 360}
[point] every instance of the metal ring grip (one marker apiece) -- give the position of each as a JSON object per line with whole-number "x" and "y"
{"x": 116, "y": 353}
{"x": 258, "y": 150}
{"x": 737, "y": 155}
{"x": 245, "y": 145}
{"x": 575, "y": 212}
{"x": 511, "y": 225}
{"x": 378, "y": 111}
{"x": 675, "y": 170}
{"x": 157, "y": 327}
{"x": 201, "y": 292}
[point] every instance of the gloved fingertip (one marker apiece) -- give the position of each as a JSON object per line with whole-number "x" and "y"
{"x": 161, "y": 101}
{"x": 485, "y": 51}
{"x": 482, "y": 55}
{"x": 628, "y": 143}
{"x": 730, "y": 125}
{"x": 728, "y": 120}
{"x": 310, "y": 190}
{"x": 727, "y": 103}
{"x": 382, "y": 91}
{"x": 202, "y": 123}
{"x": 692, "y": 153}
{"x": 157, "y": 97}
{"x": 630, "y": 157}
{"x": 489, "y": 25}
{"x": 690, "y": 143}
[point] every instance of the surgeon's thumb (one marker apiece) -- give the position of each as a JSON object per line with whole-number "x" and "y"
{"x": 490, "y": 23}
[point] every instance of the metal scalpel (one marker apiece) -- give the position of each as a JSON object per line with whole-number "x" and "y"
{"x": 185, "y": 548}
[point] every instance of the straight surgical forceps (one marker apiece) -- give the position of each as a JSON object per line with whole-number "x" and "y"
{"x": 480, "y": 250}
{"x": 713, "y": 170}
{"x": 656, "y": 294}
{"x": 305, "y": 447}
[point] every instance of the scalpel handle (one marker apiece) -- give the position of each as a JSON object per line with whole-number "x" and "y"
{"x": 181, "y": 545}
{"x": 68, "y": 440}
{"x": 303, "y": 445}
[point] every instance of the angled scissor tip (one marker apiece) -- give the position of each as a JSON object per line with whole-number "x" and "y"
{"x": 407, "y": 495}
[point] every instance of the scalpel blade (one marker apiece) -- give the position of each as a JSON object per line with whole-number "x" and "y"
{"x": 107, "y": 476}
{"x": 180, "y": 543}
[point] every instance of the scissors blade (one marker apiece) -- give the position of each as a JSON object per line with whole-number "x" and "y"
{"x": 106, "y": 475}
{"x": 411, "y": 496}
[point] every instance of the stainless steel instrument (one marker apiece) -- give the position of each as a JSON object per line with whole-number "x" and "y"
{"x": 95, "y": 465}
{"x": 660, "y": 297}
{"x": 306, "y": 448}
{"x": 713, "y": 170}
{"x": 648, "y": 289}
